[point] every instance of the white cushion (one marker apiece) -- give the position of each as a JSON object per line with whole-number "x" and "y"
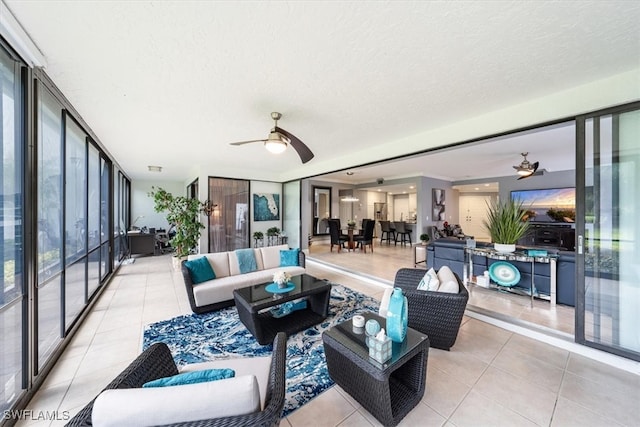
{"x": 271, "y": 255}
{"x": 430, "y": 281}
{"x": 448, "y": 281}
{"x": 384, "y": 303}
{"x": 219, "y": 262}
{"x": 258, "y": 366}
{"x": 166, "y": 405}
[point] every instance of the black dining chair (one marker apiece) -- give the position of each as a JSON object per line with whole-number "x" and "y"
{"x": 336, "y": 237}
{"x": 367, "y": 237}
{"x": 403, "y": 232}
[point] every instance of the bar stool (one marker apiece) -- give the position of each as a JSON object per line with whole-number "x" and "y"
{"x": 401, "y": 231}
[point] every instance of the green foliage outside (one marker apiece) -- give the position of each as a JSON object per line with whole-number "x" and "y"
{"x": 183, "y": 213}
{"x": 562, "y": 215}
{"x": 505, "y": 221}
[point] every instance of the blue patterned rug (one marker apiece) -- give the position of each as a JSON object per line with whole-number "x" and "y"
{"x": 197, "y": 338}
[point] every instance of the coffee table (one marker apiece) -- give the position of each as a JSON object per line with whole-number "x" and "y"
{"x": 254, "y": 304}
{"x": 387, "y": 390}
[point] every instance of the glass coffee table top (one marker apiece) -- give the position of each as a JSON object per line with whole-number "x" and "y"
{"x": 258, "y": 295}
{"x": 355, "y": 340}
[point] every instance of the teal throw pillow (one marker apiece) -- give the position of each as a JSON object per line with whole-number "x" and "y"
{"x": 192, "y": 378}
{"x": 200, "y": 270}
{"x": 246, "y": 260}
{"x": 289, "y": 258}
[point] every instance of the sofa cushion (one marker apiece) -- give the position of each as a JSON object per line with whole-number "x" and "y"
{"x": 258, "y": 366}
{"x": 200, "y": 270}
{"x": 246, "y": 260}
{"x": 219, "y": 262}
{"x": 166, "y": 405}
{"x": 448, "y": 281}
{"x": 430, "y": 281}
{"x": 192, "y": 377}
{"x": 234, "y": 262}
{"x": 289, "y": 257}
{"x": 271, "y": 256}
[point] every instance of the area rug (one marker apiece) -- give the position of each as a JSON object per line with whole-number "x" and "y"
{"x": 220, "y": 335}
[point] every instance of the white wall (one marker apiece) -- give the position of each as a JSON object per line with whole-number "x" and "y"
{"x": 142, "y": 203}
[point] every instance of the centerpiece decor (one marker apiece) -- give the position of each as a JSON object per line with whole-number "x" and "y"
{"x": 506, "y": 224}
{"x": 397, "y": 316}
{"x": 281, "y": 278}
{"x": 351, "y": 223}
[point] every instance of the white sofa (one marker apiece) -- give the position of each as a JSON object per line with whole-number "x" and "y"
{"x": 218, "y": 293}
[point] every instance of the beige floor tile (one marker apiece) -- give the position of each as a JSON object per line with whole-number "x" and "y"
{"x": 462, "y": 367}
{"x": 518, "y": 394}
{"x": 422, "y": 415}
{"x": 443, "y": 393}
{"x": 602, "y": 399}
{"x": 529, "y": 368}
{"x": 605, "y": 375}
{"x": 544, "y": 352}
{"x": 569, "y": 413}
{"x": 355, "y": 420}
{"x": 328, "y": 409}
{"x": 485, "y": 349}
{"x": 479, "y": 411}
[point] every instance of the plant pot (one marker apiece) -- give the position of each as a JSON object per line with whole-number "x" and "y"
{"x": 504, "y": 248}
{"x": 177, "y": 262}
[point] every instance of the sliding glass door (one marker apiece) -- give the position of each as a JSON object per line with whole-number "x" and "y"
{"x": 608, "y": 178}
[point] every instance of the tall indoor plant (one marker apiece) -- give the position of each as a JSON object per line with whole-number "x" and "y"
{"x": 182, "y": 212}
{"x": 506, "y": 223}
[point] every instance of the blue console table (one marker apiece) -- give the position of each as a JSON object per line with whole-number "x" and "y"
{"x": 550, "y": 259}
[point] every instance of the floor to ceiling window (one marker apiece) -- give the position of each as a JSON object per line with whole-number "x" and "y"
{"x": 11, "y": 231}
{"x": 49, "y": 230}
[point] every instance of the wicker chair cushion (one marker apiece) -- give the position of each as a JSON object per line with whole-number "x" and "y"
{"x": 166, "y": 405}
{"x": 448, "y": 282}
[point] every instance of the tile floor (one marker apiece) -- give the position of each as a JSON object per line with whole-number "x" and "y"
{"x": 491, "y": 377}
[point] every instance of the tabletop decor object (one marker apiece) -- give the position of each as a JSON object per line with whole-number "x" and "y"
{"x": 397, "y": 316}
{"x": 281, "y": 278}
{"x": 380, "y": 347}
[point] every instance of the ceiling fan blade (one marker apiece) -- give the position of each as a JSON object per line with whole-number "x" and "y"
{"x": 303, "y": 151}
{"x": 247, "y": 142}
{"x": 534, "y": 168}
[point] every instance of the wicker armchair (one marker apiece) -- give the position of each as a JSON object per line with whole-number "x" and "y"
{"x": 156, "y": 362}
{"x": 437, "y": 314}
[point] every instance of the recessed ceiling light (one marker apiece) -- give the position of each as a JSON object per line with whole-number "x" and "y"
{"x": 404, "y": 192}
{"x": 155, "y": 168}
{"x": 379, "y": 189}
{"x": 486, "y": 185}
{"x": 411, "y": 187}
{"x": 476, "y": 189}
{"x": 349, "y": 173}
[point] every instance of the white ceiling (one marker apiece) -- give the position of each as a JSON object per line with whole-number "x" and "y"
{"x": 172, "y": 83}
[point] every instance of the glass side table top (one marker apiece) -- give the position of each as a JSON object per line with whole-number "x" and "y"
{"x": 355, "y": 340}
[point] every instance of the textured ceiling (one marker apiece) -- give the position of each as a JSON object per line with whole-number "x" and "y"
{"x": 172, "y": 83}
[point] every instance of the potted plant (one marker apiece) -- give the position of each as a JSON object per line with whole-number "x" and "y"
{"x": 272, "y": 234}
{"x": 182, "y": 212}
{"x": 257, "y": 237}
{"x": 506, "y": 224}
{"x": 424, "y": 238}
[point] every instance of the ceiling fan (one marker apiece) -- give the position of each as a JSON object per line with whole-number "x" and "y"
{"x": 279, "y": 139}
{"x": 526, "y": 169}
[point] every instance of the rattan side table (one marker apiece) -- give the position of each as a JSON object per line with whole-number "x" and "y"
{"x": 387, "y": 390}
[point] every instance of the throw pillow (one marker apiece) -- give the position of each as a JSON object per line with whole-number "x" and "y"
{"x": 200, "y": 270}
{"x": 192, "y": 378}
{"x": 430, "y": 281}
{"x": 448, "y": 281}
{"x": 289, "y": 258}
{"x": 246, "y": 260}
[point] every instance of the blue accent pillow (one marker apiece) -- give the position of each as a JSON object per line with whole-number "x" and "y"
{"x": 289, "y": 258}
{"x": 200, "y": 270}
{"x": 246, "y": 260}
{"x": 192, "y": 378}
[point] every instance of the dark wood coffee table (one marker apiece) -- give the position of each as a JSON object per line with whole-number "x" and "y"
{"x": 254, "y": 304}
{"x": 387, "y": 390}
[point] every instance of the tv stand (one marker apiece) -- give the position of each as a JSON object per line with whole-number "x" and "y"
{"x": 558, "y": 236}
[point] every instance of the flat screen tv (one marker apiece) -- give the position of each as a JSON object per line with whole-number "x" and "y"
{"x": 548, "y": 205}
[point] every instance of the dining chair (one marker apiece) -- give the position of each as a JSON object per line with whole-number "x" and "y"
{"x": 336, "y": 237}
{"x": 366, "y": 238}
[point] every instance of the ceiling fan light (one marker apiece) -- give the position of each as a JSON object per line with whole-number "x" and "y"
{"x": 524, "y": 172}
{"x": 275, "y": 144}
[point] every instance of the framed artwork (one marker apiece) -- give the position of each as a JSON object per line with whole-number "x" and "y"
{"x": 266, "y": 207}
{"x": 438, "y": 203}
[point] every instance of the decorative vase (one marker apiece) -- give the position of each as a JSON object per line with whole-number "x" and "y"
{"x": 504, "y": 248}
{"x": 397, "y": 316}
